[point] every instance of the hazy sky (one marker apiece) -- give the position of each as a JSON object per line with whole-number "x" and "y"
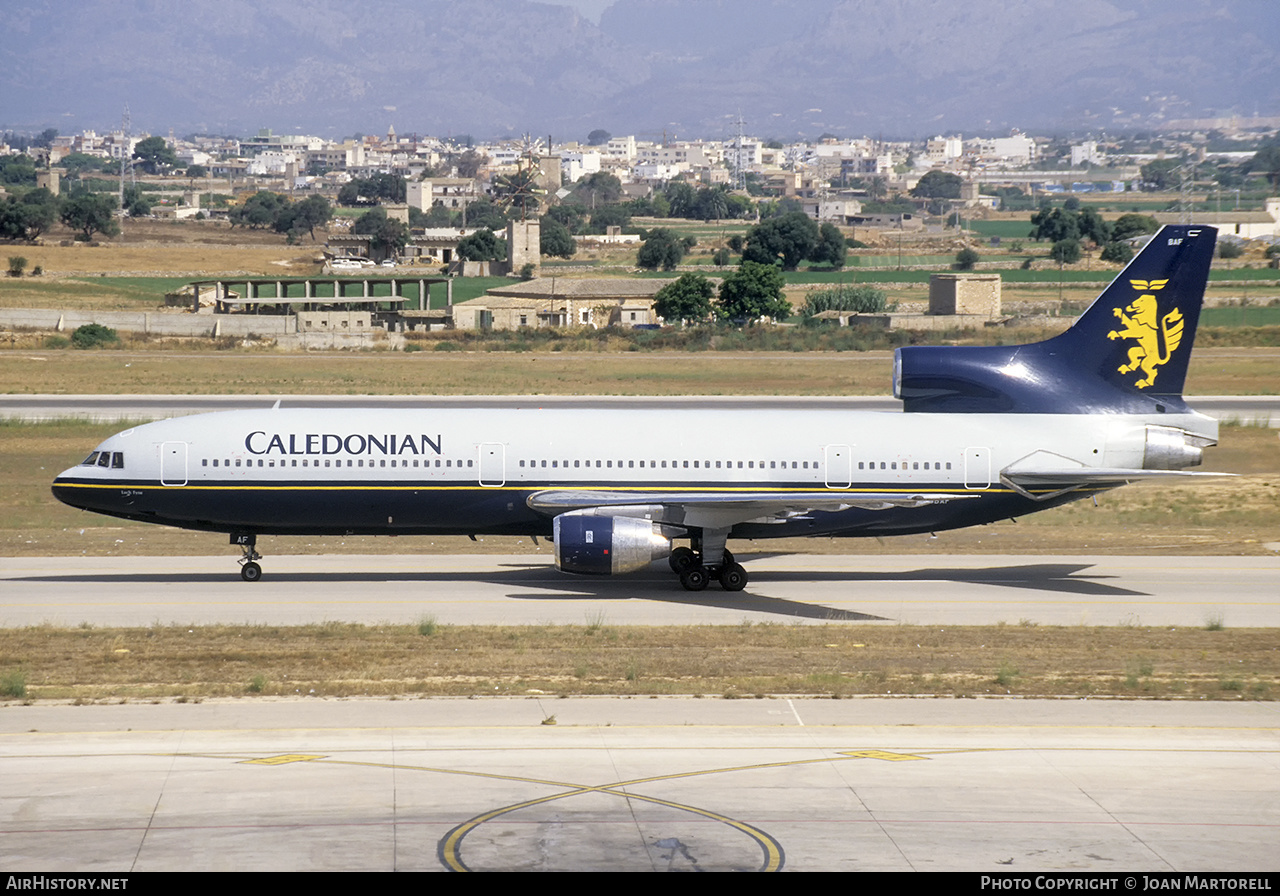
{"x": 494, "y": 68}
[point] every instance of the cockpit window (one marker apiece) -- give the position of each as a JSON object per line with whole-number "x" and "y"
{"x": 111, "y": 459}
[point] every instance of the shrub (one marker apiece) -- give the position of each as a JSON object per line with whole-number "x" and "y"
{"x": 1118, "y": 252}
{"x": 1225, "y": 250}
{"x": 92, "y": 335}
{"x": 17, "y": 264}
{"x": 1065, "y": 251}
{"x": 966, "y": 258}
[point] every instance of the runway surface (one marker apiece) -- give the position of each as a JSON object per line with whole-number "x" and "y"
{"x": 106, "y": 408}
{"x": 671, "y": 784}
{"x": 512, "y": 589}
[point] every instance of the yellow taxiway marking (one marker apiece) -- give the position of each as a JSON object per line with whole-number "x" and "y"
{"x": 282, "y": 759}
{"x": 450, "y": 846}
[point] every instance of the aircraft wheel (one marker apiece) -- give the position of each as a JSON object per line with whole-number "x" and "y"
{"x": 733, "y": 577}
{"x": 694, "y": 579}
{"x": 251, "y": 572}
{"x": 682, "y": 559}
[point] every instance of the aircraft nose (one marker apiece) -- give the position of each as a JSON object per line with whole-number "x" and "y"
{"x": 63, "y": 489}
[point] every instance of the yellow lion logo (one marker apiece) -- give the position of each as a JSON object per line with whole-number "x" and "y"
{"x": 1143, "y": 325}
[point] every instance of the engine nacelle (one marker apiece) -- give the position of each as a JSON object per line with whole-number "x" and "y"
{"x": 588, "y": 544}
{"x": 1173, "y": 449}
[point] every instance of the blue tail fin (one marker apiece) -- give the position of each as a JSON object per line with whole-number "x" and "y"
{"x": 1127, "y": 353}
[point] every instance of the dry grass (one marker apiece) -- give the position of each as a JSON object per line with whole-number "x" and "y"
{"x": 1214, "y": 371}
{"x": 339, "y": 660}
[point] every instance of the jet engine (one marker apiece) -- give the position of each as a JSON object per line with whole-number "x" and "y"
{"x": 1173, "y": 449}
{"x": 589, "y": 544}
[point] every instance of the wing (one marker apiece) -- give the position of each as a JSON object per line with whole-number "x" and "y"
{"x": 717, "y": 510}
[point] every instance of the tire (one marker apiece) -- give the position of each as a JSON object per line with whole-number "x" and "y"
{"x": 251, "y": 572}
{"x": 682, "y": 559}
{"x": 694, "y": 579}
{"x": 733, "y": 577}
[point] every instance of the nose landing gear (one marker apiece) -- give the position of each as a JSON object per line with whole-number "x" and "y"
{"x": 250, "y": 571}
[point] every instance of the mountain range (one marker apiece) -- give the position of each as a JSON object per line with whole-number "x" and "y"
{"x": 688, "y": 68}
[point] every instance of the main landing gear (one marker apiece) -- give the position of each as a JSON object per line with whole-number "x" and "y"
{"x": 695, "y": 574}
{"x": 250, "y": 571}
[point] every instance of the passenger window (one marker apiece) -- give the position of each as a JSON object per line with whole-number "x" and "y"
{"x": 205, "y": 462}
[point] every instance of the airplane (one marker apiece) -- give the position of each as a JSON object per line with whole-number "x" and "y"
{"x": 986, "y": 433}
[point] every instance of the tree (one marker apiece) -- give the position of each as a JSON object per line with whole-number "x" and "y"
{"x": 1093, "y": 227}
{"x": 599, "y": 137}
{"x": 572, "y": 217}
{"x": 600, "y": 188}
{"x": 1161, "y": 174}
{"x": 1054, "y": 224}
{"x": 752, "y": 292}
{"x": 154, "y": 155}
{"x": 136, "y": 202}
{"x": 486, "y": 214}
{"x": 1267, "y": 163}
{"x": 310, "y": 213}
{"x": 389, "y": 236}
{"x": 77, "y": 163}
{"x": 609, "y": 216}
{"x": 1130, "y": 225}
{"x": 259, "y": 211}
{"x": 482, "y": 245}
{"x": 29, "y": 217}
{"x": 685, "y": 299}
{"x": 966, "y": 258}
{"x": 1118, "y": 252}
{"x": 938, "y": 185}
{"x": 470, "y": 163}
{"x": 831, "y": 248}
{"x": 90, "y": 213}
{"x": 17, "y": 170}
{"x": 17, "y": 264}
{"x": 681, "y": 198}
{"x": 787, "y": 240}
{"x": 555, "y": 239}
{"x": 662, "y": 249}
{"x": 1065, "y": 251}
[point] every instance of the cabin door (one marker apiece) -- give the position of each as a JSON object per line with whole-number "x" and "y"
{"x": 977, "y": 467}
{"x": 839, "y": 466}
{"x": 493, "y": 464}
{"x": 173, "y": 463}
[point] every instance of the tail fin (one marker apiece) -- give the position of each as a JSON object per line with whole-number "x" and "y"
{"x": 1127, "y": 353}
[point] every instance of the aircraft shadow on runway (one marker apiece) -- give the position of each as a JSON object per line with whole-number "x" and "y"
{"x": 538, "y": 581}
